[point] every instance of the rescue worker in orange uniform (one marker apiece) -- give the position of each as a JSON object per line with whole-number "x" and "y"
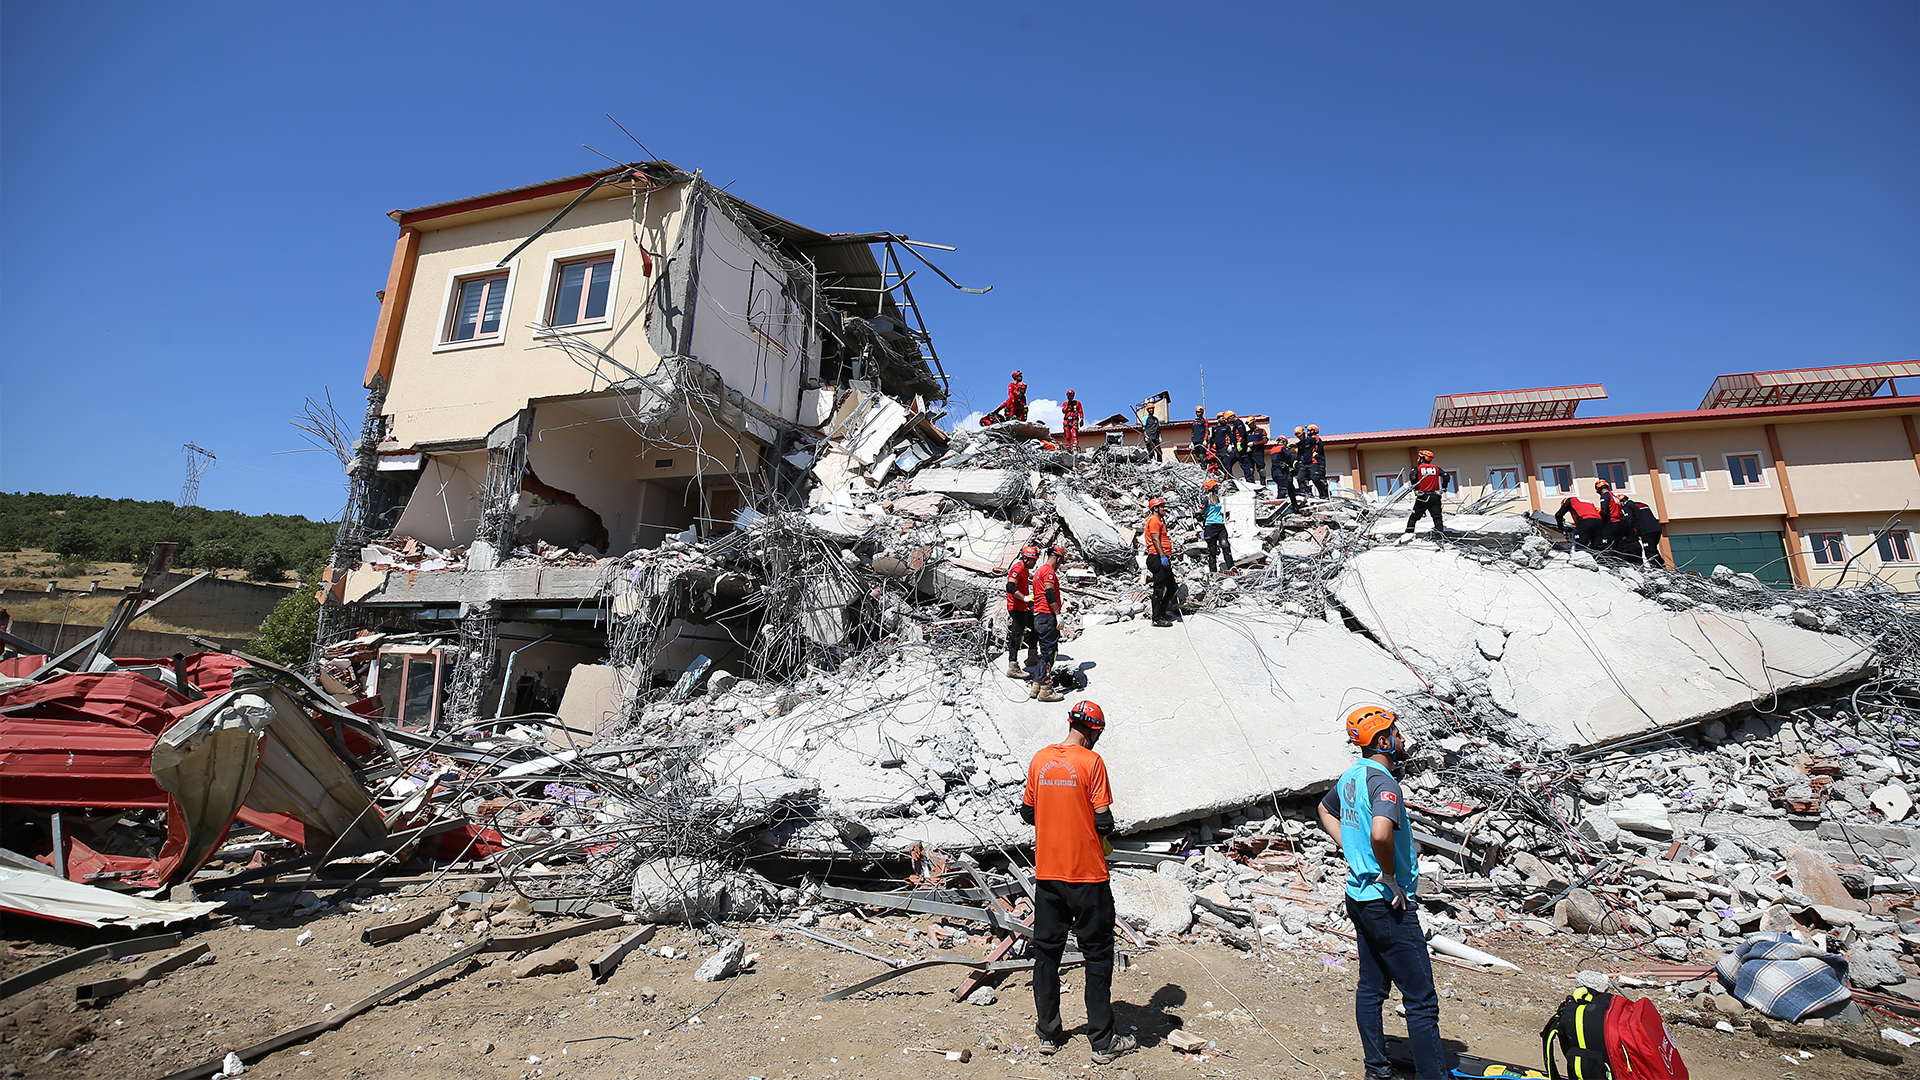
{"x": 1071, "y": 414}
{"x": 1070, "y": 806}
{"x": 1020, "y": 611}
{"x": 1160, "y": 562}
{"x": 1426, "y": 497}
{"x": 1046, "y": 622}
{"x": 1016, "y": 405}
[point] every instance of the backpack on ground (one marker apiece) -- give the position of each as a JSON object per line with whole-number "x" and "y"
{"x": 1600, "y": 1036}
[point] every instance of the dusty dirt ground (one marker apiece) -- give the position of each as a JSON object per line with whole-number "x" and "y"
{"x": 1287, "y": 1015}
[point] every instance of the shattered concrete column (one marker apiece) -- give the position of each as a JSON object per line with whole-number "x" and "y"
{"x": 479, "y": 638}
{"x": 506, "y": 466}
{"x": 335, "y": 619}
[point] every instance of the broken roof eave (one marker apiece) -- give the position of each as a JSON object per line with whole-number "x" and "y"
{"x": 1539, "y": 428}
{"x": 531, "y": 197}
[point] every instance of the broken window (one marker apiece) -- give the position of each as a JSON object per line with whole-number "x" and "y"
{"x": 479, "y": 308}
{"x": 1896, "y": 546}
{"x": 1683, "y": 474}
{"x": 1829, "y": 548}
{"x": 409, "y": 682}
{"x": 1745, "y": 470}
{"x": 1507, "y": 480}
{"x": 1615, "y": 473}
{"x": 580, "y": 290}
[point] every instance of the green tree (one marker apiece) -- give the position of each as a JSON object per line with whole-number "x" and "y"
{"x": 216, "y": 555}
{"x": 75, "y": 538}
{"x": 286, "y": 637}
{"x": 266, "y": 564}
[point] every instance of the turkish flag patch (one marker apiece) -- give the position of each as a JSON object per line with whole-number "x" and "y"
{"x": 1389, "y": 796}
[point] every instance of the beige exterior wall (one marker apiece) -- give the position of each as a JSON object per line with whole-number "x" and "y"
{"x": 1849, "y": 474}
{"x": 441, "y": 393}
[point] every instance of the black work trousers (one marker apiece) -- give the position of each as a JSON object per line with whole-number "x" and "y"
{"x": 1585, "y": 532}
{"x": 1217, "y": 544}
{"x": 1086, "y": 908}
{"x": 1317, "y": 478}
{"x": 1164, "y": 588}
{"x": 1019, "y": 631}
{"x": 1253, "y": 467}
{"x": 1153, "y": 448}
{"x": 1046, "y": 629}
{"x": 1611, "y": 535}
{"x": 1427, "y": 502}
{"x": 1288, "y": 486}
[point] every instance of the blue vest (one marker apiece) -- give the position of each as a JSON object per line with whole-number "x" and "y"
{"x": 1357, "y": 812}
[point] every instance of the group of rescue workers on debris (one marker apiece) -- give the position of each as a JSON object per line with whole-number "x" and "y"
{"x": 1069, "y": 802}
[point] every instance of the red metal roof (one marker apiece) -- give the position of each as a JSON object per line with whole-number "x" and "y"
{"x": 1504, "y": 406}
{"x": 1550, "y": 427}
{"x": 1847, "y": 383}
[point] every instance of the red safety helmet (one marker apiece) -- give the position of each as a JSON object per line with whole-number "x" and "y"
{"x": 1016, "y": 375}
{"x": 1365, "y": 724}
{"x": 1029, "y": 552}
{"x": 1156, "y": 503}
{"x": 1058, "y": 551}
{"x": 1088, "y": 715}
{"x": 1069, "y": 393}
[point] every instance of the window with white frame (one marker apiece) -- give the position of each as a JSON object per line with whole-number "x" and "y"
{"x": 1615, "y": 473}
{"x": 580, "y": 290}
{"x": 1683, "y": 474}
{"x": 1385, "y": 484}
{"x": 1745, "y": 470}
{"x": 479, "y": 307}
{"x": 1829, "y": 548}
{"x": 1895, "y": 546}
{"x": 1507, "y": 480}
{"x": 1450, "y": 481}
{"x": 1557, "y": 479}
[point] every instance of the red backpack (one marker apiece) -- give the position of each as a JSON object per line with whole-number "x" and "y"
{"x": 1637, "y": 1044}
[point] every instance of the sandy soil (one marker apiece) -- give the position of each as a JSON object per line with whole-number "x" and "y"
{"x": 1288, "y": 1014}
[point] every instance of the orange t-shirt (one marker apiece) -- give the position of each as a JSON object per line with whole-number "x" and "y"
{"x": 1066, "y": 785}
{"x": 1158, "y": 542}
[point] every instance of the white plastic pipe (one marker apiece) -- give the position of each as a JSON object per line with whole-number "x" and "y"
{"x": 1468, "y": 953}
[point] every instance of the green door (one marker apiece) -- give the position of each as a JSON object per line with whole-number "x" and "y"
{"x": 1762, "y": 554}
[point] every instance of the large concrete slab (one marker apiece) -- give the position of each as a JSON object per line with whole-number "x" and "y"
{"x": 1211, "y": 714}
{"x": 985, "y": 488}
{"x": 1586, "y": 660}
{"x": 1092, "y": 527}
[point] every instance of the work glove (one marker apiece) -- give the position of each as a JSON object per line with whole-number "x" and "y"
{"x": 1106, "y": 846}
{"x": 1396, "y": 896}
{"x": 1165, "y": 561}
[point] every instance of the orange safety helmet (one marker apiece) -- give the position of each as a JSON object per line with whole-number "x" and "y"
{"x": 1603, "y": 485}
{"x": 1426, "y": 455}
{"x": 1365, "y": 724}
{"x": 1088, "y": 715}
{"x": 1313, "y": 429}
{"x": 1299, "y": 430}
{"x": 1199, "y": 410}
{"x": 1211, "y": 484}
{"x": 1227, "y": 414}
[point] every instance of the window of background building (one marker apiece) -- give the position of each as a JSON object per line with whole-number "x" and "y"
{"x": 1615, "y": 473}
{"x": 1895, "y": 545}
{"x": 1745, "y": 470}
{"x": 1557, "y": 479}
{"x": 1683, "y": 474}
{"x": 1450, "y": 481}
{"x": 580, "y": 290}
{"x": 1503, "y": 479}
{"x": 1385, "y": 484}
{"x": 479, "y": 307}
{"x": 1829, "y": 548}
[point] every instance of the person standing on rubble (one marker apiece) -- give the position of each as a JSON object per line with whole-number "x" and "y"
{"x": 1016, "y": 405}
{"x": 1253, "y": 456}
{"x": 1150, "y": 431}
{"x": 1223, "y": 441}
{"x": 1366, "y": 815}
{"x": 1070, "y": 807}
{"x": 1160, "y": 562}
{"x": 1426, "y": 497}
{"x": 1313, "y": 458}
{"x": 1020, "y": 612}
{"x": 1616, "y": 521}
{"x": 1071, "y": 414}
{"x": 1200, "y": 435}
{"x": 1213, "y": 525}
{"x": 1286, "y": 468}
{"x": 1643, "y": 541}
{"x": 1046, "y": 622}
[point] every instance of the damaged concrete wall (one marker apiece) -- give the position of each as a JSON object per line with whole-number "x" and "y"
{"x": 445, "y": 509}
{"x": 746, "y": 325}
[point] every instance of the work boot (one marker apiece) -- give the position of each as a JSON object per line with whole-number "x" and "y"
{"x": 1405, "y": 537}
{"x": 1119, "y": 1044}
{"x": 1163, "y": 622}
{"x": 1015, "y": 671}
{"x": 1045, "y": 692}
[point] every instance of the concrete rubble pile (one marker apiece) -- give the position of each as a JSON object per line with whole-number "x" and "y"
{"x": 1671, "y": 761}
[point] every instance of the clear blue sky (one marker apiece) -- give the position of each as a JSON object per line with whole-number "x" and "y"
{"x": 1340, "y": 210}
